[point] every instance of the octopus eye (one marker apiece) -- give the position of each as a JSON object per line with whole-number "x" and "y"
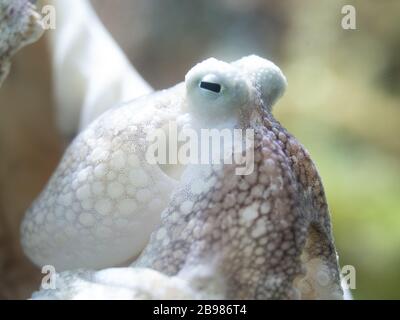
{"x": 211, "y": 86}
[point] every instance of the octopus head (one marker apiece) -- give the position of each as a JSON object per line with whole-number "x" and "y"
{"x": 218, "y": 91}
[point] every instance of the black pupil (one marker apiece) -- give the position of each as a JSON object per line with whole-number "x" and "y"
{"x": 215, "y": 87}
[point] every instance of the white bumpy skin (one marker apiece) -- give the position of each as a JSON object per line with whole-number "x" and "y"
{"x": 104, "y": 199}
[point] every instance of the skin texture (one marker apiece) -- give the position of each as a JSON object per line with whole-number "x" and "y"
{"x": 99, "y": 208}
{"x": 20, "y": 26}
{"x": 264, "y": 235}
{"x": 267, "y": 234}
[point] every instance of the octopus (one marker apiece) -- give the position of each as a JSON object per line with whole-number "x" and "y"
{"x": 262, "y": 235}
{"x": 20, "y": 25}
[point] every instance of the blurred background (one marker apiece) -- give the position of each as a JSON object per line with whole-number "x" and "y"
{"x": 342, "y": 103}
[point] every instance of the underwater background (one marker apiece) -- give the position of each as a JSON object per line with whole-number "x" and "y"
{"x": 342, "y": 103}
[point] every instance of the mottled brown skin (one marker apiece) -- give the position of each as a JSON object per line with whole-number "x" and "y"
{"x": 265, "y": 257}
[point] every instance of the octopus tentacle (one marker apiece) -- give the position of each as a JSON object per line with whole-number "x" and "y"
{"x": 268, "y": 234}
